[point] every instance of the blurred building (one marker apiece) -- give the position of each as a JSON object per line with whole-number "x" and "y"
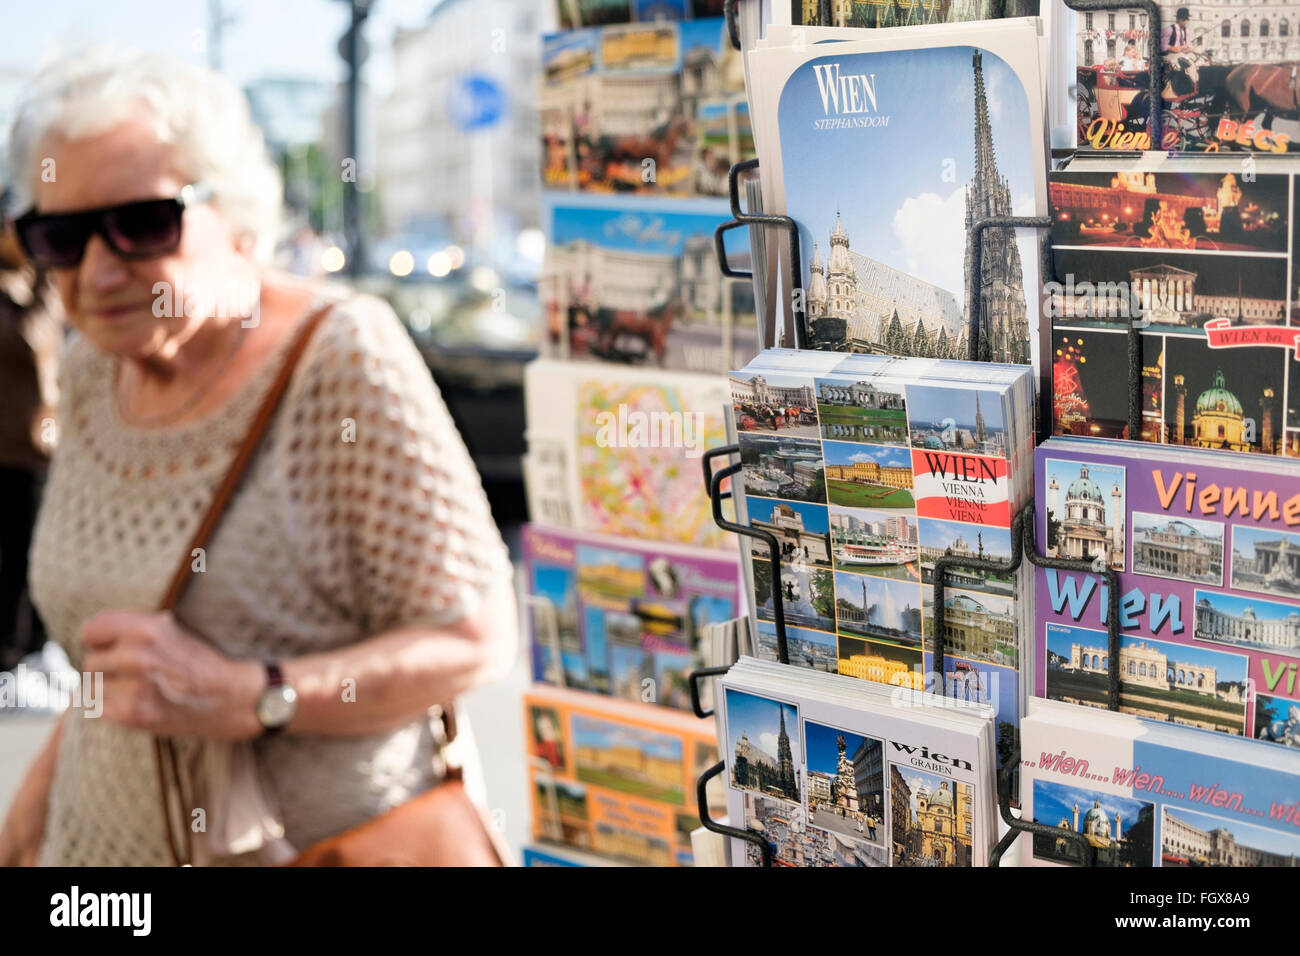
{"x": 11, "y": 84}
{"x": 433, "y": 176}
{"x": 289, "y": 110}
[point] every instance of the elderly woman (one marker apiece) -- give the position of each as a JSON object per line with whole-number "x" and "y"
{"x": 355, "y": 580}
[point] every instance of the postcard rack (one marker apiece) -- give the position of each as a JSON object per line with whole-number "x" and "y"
{"x": 798, "y": 328}
{"x": 978, "y": 349}
{"x": 1023, "y": 546}
{"x": 713, "y": 481}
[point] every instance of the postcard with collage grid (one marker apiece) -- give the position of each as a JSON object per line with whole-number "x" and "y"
{"x": 1199, "y": 256}
{"x": 836, "y": 772}
{"x": 866, "y": 478}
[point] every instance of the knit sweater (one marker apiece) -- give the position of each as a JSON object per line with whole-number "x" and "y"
{"x": 361, "y": 512}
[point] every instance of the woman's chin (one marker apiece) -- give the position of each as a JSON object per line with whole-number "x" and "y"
{"x": 128, "y": 337}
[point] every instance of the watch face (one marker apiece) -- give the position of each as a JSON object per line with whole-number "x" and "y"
{"x": 276, "y": 707}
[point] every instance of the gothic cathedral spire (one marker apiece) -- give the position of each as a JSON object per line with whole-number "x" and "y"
{"x": 1004, "y": 325}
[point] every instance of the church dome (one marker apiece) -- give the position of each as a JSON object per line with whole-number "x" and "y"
{"x": 1094, "y": 821}
{"x": 1217, "y": 399}
{"x": 1083, "y": 487}
{"x": 941, "y": 797}
{"x": 934, "y": 443}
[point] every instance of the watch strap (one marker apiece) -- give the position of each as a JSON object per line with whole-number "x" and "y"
{"x": 274, "y": 680}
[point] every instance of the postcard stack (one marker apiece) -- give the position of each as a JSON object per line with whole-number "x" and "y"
{"x": 1193, "y": 252}
{"x": 1225, "y": 78}
{"x": 1208, "y": 558}
{"x": 1136, "y": 793}
{"x": 643, "y": 112}
{"x": 636, "y": 282}
{"x": 868, "y": 469}
{"x": 887, "y": 147}
{"x": 617, "y": 451}
{"x": 537, "y": 855}
{"x": 588, "y": 13}
{"x": 616, "y": 779}
{"x": 916, "y": 13}
{"x": 623, "y": 575}
{"x": 622, "y": 617}
{"x": 656, "y": 108}
{"x": 832, "y": 771}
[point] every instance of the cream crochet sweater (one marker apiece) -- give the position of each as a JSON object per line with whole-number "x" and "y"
{"x": 329, "y": 541}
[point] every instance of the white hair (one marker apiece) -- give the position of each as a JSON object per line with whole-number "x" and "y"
{"x": 202, "y": 113}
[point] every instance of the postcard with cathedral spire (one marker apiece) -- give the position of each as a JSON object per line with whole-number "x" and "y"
{"x": 1208, "y": 562}
{"x": 887, "y": 151}
{"x": 832, "y": 771}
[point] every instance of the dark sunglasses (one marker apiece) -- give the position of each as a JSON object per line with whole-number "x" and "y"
{"x": 133, "y": 230}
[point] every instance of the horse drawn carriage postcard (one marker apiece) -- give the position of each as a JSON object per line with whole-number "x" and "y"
{"x": 886, "y": 150}
{"x": 655, "y": 108}
{"x": 637, "y": 282}
{"x": 1227, "y": 78}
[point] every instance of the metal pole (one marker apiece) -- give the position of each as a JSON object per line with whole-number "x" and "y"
{"x": 353, "y": 230}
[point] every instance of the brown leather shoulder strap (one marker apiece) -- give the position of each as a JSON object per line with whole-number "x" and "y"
{"x": 170, "y": 777}
{"x": 226, "y": 490}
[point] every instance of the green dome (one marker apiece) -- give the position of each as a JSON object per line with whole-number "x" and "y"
{"x": 1218, "y": 399}
{"x": 941, "y": 797}
{"x": 1083, "y": 487}
{"x": 933, "y": 442}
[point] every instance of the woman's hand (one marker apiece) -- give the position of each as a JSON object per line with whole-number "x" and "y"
{"x": 161, "y": 678}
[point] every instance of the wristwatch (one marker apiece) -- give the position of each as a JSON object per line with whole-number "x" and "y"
{"x": 276, "y": 706}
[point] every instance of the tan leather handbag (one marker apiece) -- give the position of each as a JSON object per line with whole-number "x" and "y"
{"x": 441, "y": 827}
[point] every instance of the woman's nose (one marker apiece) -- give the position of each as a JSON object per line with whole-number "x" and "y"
{"x": 101, "y": 269}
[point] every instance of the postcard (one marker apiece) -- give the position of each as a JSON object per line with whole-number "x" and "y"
{"x": 622, "y": 617}
{"x": 953, "y": 124}
{"x": 1224, "y": 69}
{"x": 653, "y": 107}
{"x": 635, "y": 282}
{"x": 1209, "y": 614}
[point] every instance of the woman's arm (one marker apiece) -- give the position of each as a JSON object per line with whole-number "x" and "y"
{"x": 24, "y": 826}
{"x": 391, "y": 679}
{"x": 410, "y": 522}
{"x": 161, "y": 678}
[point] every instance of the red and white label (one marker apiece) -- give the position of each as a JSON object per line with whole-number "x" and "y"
{"x": 958, "y": 487}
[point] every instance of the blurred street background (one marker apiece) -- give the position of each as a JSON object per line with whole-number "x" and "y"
{"x": 442, "y": 141}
